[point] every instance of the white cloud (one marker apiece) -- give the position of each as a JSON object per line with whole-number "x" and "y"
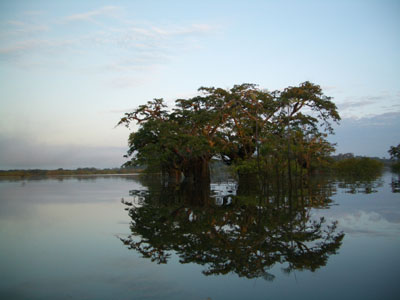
{"x": 371, "y": 136}
{"x": 368, "y": 223}
{"x": 368, "y": 105}
{"x": 28, "y": 47}
{"x": 127, "y": 82}
{"x": 26, "y": 27}
{"x": 21, "y": 46}
{"x": 380, "y": 119}
{"x": 124, "y": 51}
{"x": 156, "y": 32}
{"x": 109, "y": 11}
{"x": 351, "y": 104}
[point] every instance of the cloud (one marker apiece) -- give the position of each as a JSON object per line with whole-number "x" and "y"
{"x": 156, "y": 40}
{"x": 19, "y": 27}
{"x": 368, "y": 223}
{"x": 125, "y": 52}
{"x": 19, "y": 47}
{"x": 368, "y": 105}
{"x": 139, "y": 62}
{"x": 382, "y": 119}
{"x": 155, "y": 32}
{"x": 29, "y": 48}
{"x": 109, "y": 11}
{"x": 127, "y": 82}
{"x": 351, "y": 104}
{"x": 371, "y": 136}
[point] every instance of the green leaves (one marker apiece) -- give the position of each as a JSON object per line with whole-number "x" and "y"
{"x": 394, "y": 152}
{"x": 229, "y": 124}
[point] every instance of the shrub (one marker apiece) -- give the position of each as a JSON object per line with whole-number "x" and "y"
{"x": 358, "y": 167}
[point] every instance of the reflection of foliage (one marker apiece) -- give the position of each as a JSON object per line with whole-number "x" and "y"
{"x": 358, "y": 174}
{"x": 365, "y": 185}
{"x": 395, "y": 184}
{"x": 61, "y": 178}
{"x": 245, "y": 234}
{"x": 396, "y": 167}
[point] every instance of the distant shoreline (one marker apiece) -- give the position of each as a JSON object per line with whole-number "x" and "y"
{"x": 67, "y": 172}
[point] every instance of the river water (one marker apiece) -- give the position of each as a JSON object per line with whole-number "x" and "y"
{"x": 73, "y": 238}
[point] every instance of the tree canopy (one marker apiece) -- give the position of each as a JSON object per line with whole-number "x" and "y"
{"x": 232, "y": 125}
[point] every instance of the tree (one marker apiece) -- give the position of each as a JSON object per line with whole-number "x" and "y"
{"x": 394, "y": 152}
{"x": 155, "y": 144}
{"x": 293, "y": 138}
{"x": 232, "y": 125}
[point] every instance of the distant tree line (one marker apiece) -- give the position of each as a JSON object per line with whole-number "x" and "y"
{"x": 61, "y": 171}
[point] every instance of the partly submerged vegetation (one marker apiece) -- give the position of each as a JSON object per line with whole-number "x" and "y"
{"x": 358, "y": 167}
{"x": 281, "y": 133}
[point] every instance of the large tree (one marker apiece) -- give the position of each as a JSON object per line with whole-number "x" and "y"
{"x": 227, "y": 124}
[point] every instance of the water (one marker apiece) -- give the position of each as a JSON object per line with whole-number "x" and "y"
{"x": 72, "y": 238}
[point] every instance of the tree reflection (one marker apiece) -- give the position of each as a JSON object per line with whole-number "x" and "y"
{"x": 395, "y": 184}
{"x": 229, "y": 231}
{"x": 360, "y": 184}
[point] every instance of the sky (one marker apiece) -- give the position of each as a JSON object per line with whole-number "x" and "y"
{"x": 69, "y": 70}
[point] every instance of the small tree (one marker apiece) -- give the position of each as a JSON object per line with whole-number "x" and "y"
{"x": 394, "y": 152}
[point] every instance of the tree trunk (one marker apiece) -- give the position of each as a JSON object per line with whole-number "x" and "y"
{"x": 247, "y": 183}
{"x": 197, "y": 170}
{"x": 174, "y": 175}
{"x": 195, "y": 193}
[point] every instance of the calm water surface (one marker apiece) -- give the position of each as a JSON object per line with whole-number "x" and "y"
{"x": 72, "y": 238}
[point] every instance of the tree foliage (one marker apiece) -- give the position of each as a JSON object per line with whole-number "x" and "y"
{"x": 236, "y": 126}
{"x": 359, "y": 167}
{"x": 394, "y": 152}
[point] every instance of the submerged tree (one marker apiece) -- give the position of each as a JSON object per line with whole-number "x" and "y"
{"x": 235, "y": 126}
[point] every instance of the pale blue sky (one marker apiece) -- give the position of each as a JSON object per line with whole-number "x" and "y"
{"x": 69, "y": 69}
